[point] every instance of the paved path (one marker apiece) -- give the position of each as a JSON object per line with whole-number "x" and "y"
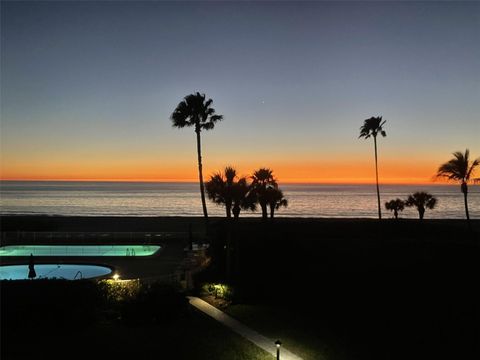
{"x": 261, "y": 341}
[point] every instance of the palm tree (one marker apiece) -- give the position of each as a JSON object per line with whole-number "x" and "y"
{"x": 372, "y": 127}
{"x": 243, "y": 197}
{"x": 275, "y": 199}
{"x": 195, "y": 111}
{"x": 460, "y": 169}
{"x": 421, "y": 200}
{"x": 263, "y": 178}
{"x": 395, "y": 206}
{"x": 225, "y": 189}
{"x": 219, "y": 188}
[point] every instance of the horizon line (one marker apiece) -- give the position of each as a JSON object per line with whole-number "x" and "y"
{"x": 191, "y": 181}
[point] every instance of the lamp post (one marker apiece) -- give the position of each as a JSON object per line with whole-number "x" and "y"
{"x": 278, "y": 343}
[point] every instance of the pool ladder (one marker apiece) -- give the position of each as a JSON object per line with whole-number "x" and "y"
{"x": 78, "y": 273}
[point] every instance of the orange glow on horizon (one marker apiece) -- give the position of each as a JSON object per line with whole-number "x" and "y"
{"x": 306, "y": 172}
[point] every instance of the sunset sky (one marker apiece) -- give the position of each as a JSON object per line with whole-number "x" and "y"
{"x": 87, "y": 88}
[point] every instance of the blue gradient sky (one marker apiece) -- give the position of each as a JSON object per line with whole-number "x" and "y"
{"x": 87, "y": 87}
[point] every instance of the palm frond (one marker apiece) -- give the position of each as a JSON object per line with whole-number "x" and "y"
{"x": 472, "y": 168}
{"x": 421, "y": 199}
{"x": 371, "y": 127}
{"x": 396, "y": 204}
{"x": 193, "y": 110}
{"x": 459, "y": 168}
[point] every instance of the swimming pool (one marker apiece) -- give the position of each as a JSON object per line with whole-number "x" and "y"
{"x": 79, "y": 250}
{"x": 54, "y": 271}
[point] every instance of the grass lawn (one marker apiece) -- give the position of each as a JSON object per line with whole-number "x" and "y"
{"x": 306, "y": 339}
{"x": 193, "y": 337}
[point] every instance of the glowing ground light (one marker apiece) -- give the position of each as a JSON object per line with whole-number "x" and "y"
{"x": 278, "y": 343}
{"x": 116, "y": 277}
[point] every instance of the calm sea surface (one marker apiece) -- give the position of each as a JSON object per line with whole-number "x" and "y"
{"x": 183, "y": 199}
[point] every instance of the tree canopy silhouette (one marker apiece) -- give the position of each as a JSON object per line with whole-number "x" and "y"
{"x": 371, "y": 128}
{"x": 195, "y": 111}
{"x": 421, "y": 200}
{"x": 275, "y": 199}
{"x": 395, "y": 206}
{"x": 460, "y": 169}
{"x": 262, "y": 179}
{"x": 231, "y": 191}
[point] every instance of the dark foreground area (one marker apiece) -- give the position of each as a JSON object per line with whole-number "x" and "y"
{"x": 330, "y": 289}
{"x": 356, "y": 289}
{"x": 86, "y": 320}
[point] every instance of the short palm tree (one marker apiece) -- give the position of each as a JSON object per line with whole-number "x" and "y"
{"x": 460, "y": 169}
{"x": 230, "y": 191}
{"x": 395, "y": 206}
{"x": 220, "y": 187}
{"x": 371, "y": 128}
{"x": 195, "y": 111}
{"x": 261, "y": 180}
{"x": 275, "y": 199}
{"x": 421, "y": 200}
{"x": 243, "y": 197}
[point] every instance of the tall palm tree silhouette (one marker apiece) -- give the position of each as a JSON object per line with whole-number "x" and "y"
{"x": 460, "y": 169}
{"x": 421, "y": 200}
{"x": 262, "y": 179}
{"x": 373, "y": 127}
{"x": 195, "y": 111}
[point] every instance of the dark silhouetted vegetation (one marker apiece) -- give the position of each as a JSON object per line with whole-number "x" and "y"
{"x": 422, "y": 201}
{"x": 275, "y": 199}
{"x": 230, "y": 191}
{"x": 195, "y": 111}
{"x": 460, "y": 169}
{"x": 59, "y": 319}
{"x": 395, "y": 206}
{"x": 236, "y": 193}
{"x": 371, "y": 128}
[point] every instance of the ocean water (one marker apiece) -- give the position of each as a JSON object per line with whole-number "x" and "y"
{"x": 183, "y": 199}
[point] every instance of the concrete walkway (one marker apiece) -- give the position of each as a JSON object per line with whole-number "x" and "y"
{"x": 261, "y": 341}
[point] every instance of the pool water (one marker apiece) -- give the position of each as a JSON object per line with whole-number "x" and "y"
{"x": 79, "y": 250}
{"x": 54, "y": 271}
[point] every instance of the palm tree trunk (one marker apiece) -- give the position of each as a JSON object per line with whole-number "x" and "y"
{"x": 236, "y": 211}
{"x": 200, "y": 175}
{"x": 264, "y": 210}
{"x": 465, "y": 192}
{"x": 228, "y": 207}
{"x": 376, "y": 176}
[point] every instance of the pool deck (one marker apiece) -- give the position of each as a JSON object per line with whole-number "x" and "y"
{"x": 161, "y": 265}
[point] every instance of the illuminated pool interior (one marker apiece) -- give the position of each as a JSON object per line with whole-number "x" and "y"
{"x": 54, "y": 271}
{"x": 79, "y": 250}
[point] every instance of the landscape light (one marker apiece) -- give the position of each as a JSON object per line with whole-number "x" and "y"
{"x": 278, "y": 343}
{"x": 116, "y": 277}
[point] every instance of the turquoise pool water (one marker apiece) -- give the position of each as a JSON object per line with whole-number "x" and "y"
{"x": 79, "y": 250}
{"x": 54, "y": 271}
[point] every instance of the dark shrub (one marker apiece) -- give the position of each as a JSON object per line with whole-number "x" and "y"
{"x": 155, "y": 303}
